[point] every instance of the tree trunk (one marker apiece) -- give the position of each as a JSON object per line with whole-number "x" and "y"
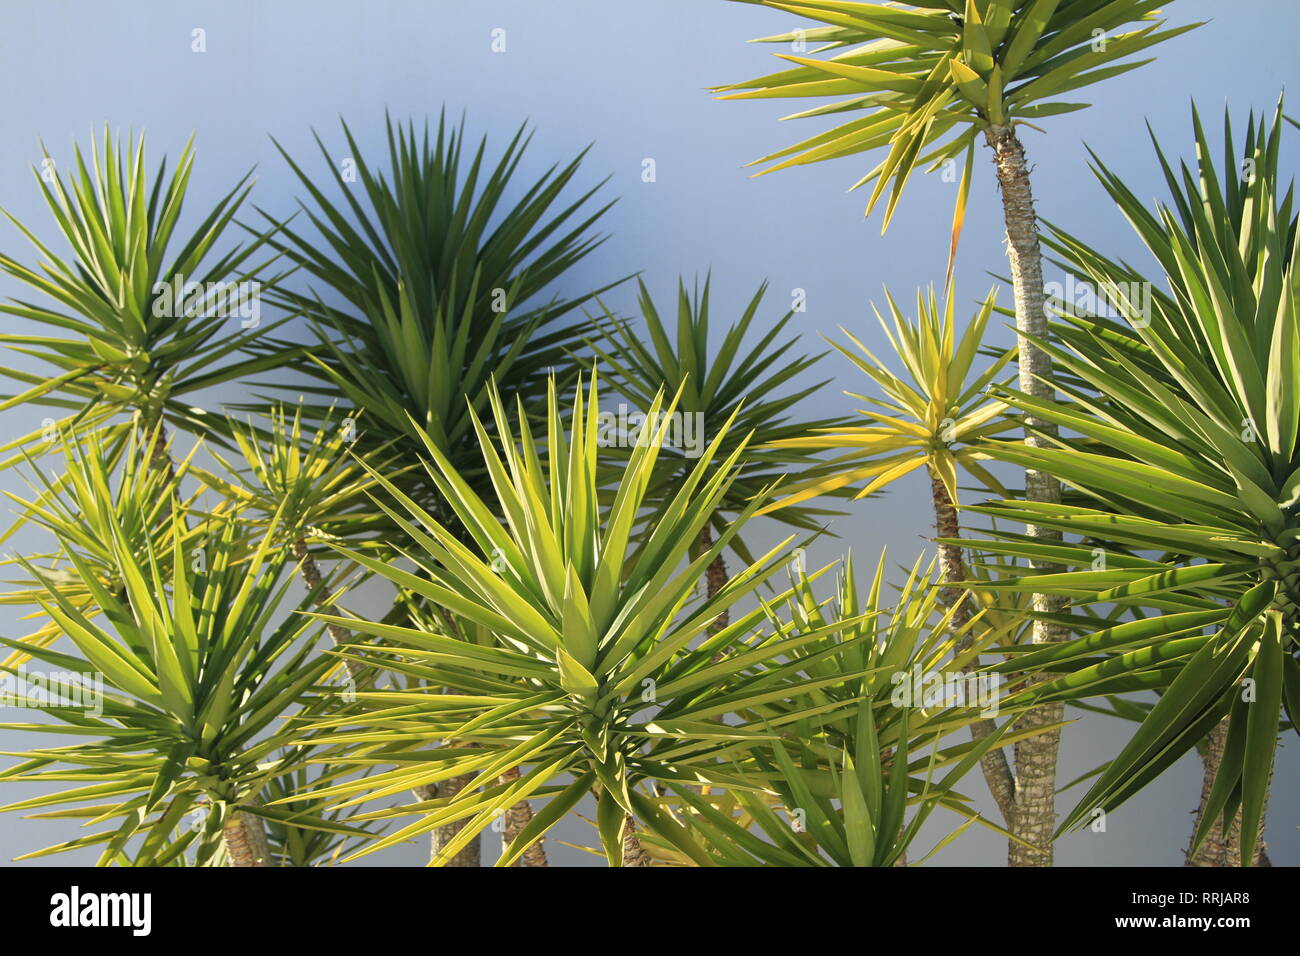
{"x": 339, "y": 634}
{"x": 634, "y": 853}
{"x": 1034, "y": 815}
{"x": 471, "y": 853}
{"x": 715, "y": 577}
{"x": 997, "y": 773}
{"x": 245, "y": 838}
{"x": 1219, "y": 848}
{"x": 516, "y": 818}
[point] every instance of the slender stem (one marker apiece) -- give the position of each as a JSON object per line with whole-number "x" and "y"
{"x": 1034, "y": 816}
{"x": 997, "y": 772}
{"x": 311, "y": 576}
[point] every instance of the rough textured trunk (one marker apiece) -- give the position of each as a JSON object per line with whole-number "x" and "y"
{"x": 516, "y": 818}
{"x": 339, "y": 634}
{"x": 715, "y": 577}
{"x": 634, "y": 853}
{"x": 471, "y": 853}
{"x": 1034, "y": 815}
{"x": 245, "y": 838}
{"x": 997, "y": 773}
{"x": 1220, "y": 848}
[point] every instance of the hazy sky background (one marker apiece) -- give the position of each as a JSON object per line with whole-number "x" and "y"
{"x": 632, "y": 79}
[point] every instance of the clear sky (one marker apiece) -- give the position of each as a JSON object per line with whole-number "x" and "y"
{"x": 632, "y": 78}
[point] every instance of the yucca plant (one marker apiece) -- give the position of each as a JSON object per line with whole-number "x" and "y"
{"x": 929, "y": 80}
{"x": 107, "y": 493}
{"x": 310, "y": 491}
{"x": 1186, "y": 425}
{"x": 442, "y": 276}
{"x": 835, "y": 790}
{"x": 736, "y": 380}
{"x": 192, "y": 665}
{"x": 1258, "y": 155}
{"x": 590, "y": 665}
{"x": 934, "y": 416}
{"x": 148, "y": 317}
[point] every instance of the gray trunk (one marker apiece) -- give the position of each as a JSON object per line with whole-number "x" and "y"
{"x": 470, "y": 855}
{"x": 1220, "y": 848}
{"x": 311, "y": 576}
{"x": 516, "y": 818}
{"x": 997, "y": 773}
{"x": 1034, "y": 812}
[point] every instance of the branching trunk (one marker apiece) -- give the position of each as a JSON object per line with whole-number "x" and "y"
{"x": 1034, "y": 816}
{"x": 245, "y": 839}
{"x": 634, "y": 853}
{"x": 1220, "y": 848}
{"x": 997, "y": 773}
